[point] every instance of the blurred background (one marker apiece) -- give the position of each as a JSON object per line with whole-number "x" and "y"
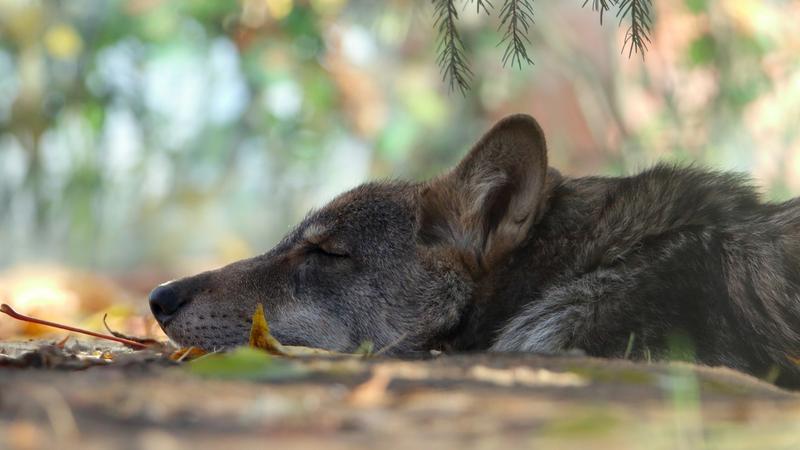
{"x": 142, "y": 140}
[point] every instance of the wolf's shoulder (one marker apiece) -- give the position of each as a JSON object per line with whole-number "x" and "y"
{"x": 691, "y": 185}
{"x": 606, "y": 217}
{"x": 669, "y": 196}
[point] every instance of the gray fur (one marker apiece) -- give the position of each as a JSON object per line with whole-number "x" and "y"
{"x": 503, "y": 253}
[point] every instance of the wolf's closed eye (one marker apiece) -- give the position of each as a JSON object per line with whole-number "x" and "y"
{"x": 328, "y": 251}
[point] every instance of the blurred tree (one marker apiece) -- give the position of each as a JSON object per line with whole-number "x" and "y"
{"x": 170, "y": 132}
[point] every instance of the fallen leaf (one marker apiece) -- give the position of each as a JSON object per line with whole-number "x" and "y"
{"x": 259, "y": 334}
{"x": 51, "y": 357}
{"x": 187, "y": 354}
{"x": 247, "y": 363}
{"x": 261, "y": 339}
{"x": 60, "y": 344}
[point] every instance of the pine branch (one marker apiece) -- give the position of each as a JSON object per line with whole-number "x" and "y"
{"x": 600, "y": 5}
{"x": 638, "y": 35}
{"x": 451, "y": 58}
{"x": 516, "y": 16}
{"x": 481, "y": 4}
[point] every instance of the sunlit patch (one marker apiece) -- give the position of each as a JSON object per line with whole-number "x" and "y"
{"x": 279, "y": 9}
{"x": 61, "y": 295}
{"x": 63, "y": 41}
{"x": 39, "y": 292}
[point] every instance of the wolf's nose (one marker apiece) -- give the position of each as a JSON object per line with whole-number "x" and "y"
{"x": 165, "y": 302}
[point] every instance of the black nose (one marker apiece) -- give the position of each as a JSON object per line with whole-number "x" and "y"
{"x": 165, "y": 302}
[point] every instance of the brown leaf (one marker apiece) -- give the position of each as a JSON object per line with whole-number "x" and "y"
{"x": 60, "y": 344}
{"x": 187, "y": 354}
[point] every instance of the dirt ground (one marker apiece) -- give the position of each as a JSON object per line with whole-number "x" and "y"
{"x": 448, "y": 401}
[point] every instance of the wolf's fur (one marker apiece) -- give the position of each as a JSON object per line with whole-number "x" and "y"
{"x": 505, "y": 254}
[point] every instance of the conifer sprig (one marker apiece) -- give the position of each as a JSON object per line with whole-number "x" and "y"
{"x": 516, "y": 19}
{"x": 639, "y": 12}
{"x": 452, "y": 58}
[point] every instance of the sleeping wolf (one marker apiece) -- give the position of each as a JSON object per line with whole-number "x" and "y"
{"x": 503, "y": 253}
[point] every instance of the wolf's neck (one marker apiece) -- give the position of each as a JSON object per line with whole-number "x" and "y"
{"x": 549, "y": 254}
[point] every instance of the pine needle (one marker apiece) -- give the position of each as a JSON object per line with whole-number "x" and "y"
{"x": 517, "y": 17}
{"x": 637, "y": 37}
{"x": 482, "y": 4}
{"x": 452, "y": 57}
{"x": 600, "y": 5}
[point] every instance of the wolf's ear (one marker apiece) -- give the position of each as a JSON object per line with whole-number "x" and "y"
{"x": 488, "y": 202}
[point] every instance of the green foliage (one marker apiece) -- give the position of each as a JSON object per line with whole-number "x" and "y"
{"x": 696, "y": 6}
{"x": 702, "y": 50}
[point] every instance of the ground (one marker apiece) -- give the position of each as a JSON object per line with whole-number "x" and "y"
{"x": 447, "y": 401}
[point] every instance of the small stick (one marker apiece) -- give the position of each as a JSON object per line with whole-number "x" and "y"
{"x": 145, "y": 341}
{"x": 4, "y": 308}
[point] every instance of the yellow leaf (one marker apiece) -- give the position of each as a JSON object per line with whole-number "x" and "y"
{"x": 259, "y": 334}
{"x": 261, "y": 339}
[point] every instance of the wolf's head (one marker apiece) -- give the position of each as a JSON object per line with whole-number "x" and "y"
{"x": 398, "y": 264}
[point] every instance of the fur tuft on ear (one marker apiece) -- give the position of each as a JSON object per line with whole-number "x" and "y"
{"x": 486, "y": 205}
